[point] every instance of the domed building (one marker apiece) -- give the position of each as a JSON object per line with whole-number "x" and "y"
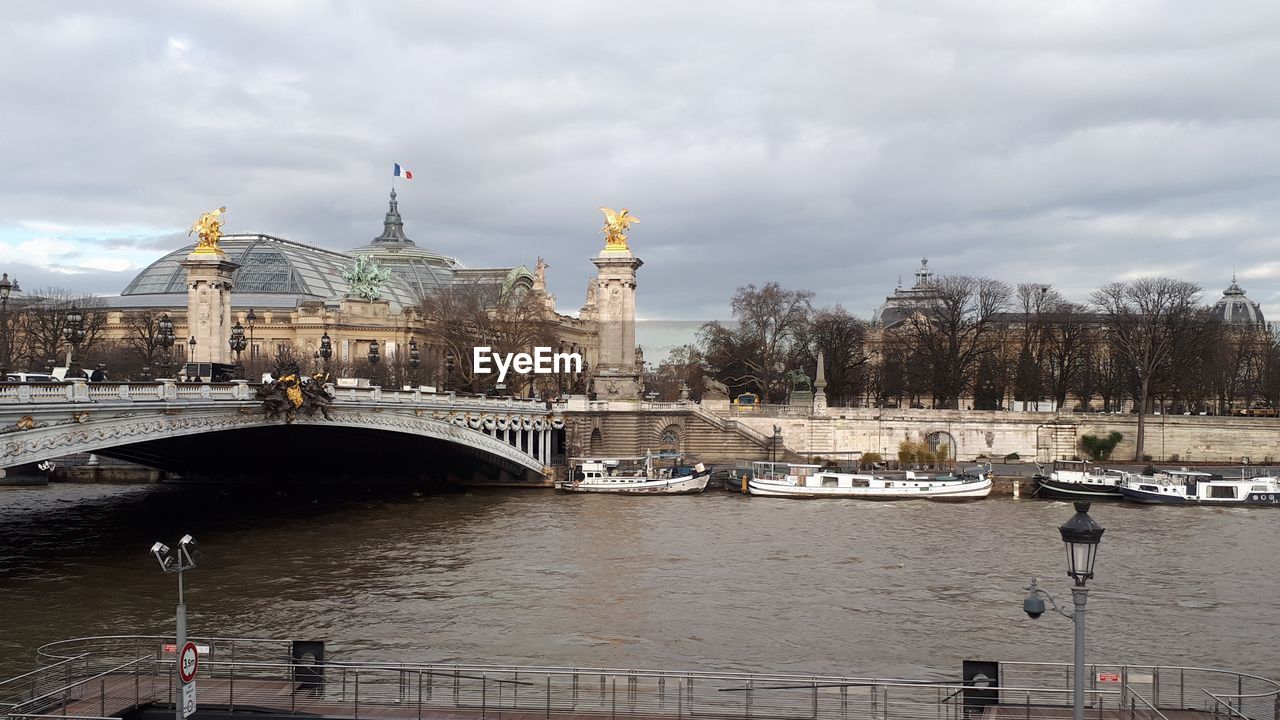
{"x": 1235, "y": 308}
{"x": 905, "y": 301}
{"x": 289, "y": 294}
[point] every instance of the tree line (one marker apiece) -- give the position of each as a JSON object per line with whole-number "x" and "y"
{"x": 971, "y": 342}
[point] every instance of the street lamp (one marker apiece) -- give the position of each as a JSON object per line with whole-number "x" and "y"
{"x": 237, "y": 343}
{"x": 6, "y": 287}
{"x": 1081, "y": 534}
{"x": 448, "y": 371}
{"x": 251, "y": 318}
{"x": 175, "y": 561}
{"x": 191, "y": 351}
{"x": 165, "y": 338}
{"x": 73, "y": 331}
{"x": 326, "y": 350}
{"x": 374, "y": 357}
{"x": 415, "y": 361}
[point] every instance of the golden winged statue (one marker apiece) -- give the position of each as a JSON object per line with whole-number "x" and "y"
{"x": 615, "y": 228}
{"x": 209, "y": 229}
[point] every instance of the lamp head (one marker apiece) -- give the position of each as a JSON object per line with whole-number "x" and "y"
{"x": 1081, "y": 534}
{"x": 159, "y": 549}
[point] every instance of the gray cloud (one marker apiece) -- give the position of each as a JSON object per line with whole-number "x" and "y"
{"x": 821, "y": 144}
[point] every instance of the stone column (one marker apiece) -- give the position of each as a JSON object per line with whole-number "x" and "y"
{"x": 209, "y": 304}
{"x": 820, "y": 388}
{"x": 617, "y": 374}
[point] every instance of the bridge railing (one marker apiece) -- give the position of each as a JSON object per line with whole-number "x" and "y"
{"x": 170, "y": 391}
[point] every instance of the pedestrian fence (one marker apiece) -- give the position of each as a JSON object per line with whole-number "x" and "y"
{"x": 101, "y": 677}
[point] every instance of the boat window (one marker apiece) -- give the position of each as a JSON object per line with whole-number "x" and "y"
{"x": 1149, "y": 488}
{"x": 1222, "y": 491}
{"x": 829, "y": 481}
{"x": 856, "y": 482}
{"x": 1259, "y": 488}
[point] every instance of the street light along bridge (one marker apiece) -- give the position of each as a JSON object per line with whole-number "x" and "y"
{"x": 132, "y": 677}
{"x": 144, "y": 421}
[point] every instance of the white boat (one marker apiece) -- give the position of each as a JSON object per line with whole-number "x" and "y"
{"x": 1191, "y": 487}
{"x": 637, "y": 476}
{"x": 811, "y": 481}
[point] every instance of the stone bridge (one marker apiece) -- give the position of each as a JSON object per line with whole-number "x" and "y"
{"x": 187, "y": 426}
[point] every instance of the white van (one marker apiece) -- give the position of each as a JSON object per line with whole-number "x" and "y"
{"x": 21, "y": 377}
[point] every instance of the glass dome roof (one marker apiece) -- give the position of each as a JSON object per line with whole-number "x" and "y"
{"x": 268, "y": 266}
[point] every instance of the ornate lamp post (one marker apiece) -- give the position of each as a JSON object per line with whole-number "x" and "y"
{"x": 448, "y": 372}
{"x": 165, "y": 339}
{"x": 1081, "y": 535}
{"x": 252, "y": 319}
{"x": 73, "y": 331}
{"x": 6, "y": 287}
{"x": 415, "y": 361}
{"x": 191, "y": 352}
{"x": 374, "y": 358}
{"x": 175, "y": 561}
{"x": 237, "y": 343}
{"x": 326, "y": 350}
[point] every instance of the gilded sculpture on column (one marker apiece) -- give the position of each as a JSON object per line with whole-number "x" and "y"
{"x": 615, "y": 228}
{"x": 208, "y": 228}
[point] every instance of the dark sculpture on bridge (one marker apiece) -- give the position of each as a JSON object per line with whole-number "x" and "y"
{"x": 292, "y": 393}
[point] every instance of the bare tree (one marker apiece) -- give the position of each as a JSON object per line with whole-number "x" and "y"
{"x": 1145, "y": 320}
{"x": 768, "y": 320}
{"x": 840, "y": 337}
{"x": 43, "y": 321}
{"x": 469, "y": 315}
{"x": 954, "y": 330}
{"x": 1069, "y": 341}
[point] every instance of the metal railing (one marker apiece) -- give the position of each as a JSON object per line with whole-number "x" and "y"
{"x": 92, "y": 677}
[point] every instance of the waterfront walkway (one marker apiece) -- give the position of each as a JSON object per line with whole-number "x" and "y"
{"x": 133, "y": 676}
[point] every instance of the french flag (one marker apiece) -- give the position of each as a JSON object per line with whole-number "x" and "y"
{"x": 403, "y": 172}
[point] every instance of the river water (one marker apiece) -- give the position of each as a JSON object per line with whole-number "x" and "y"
{"x": 717, "y": 581}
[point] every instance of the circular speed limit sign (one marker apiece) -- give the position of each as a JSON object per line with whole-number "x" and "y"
{"x": 188, "y": 659}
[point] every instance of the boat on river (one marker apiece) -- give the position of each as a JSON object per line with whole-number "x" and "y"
{"x": 772, "y": 479}
{"x": 1078, "y": 480}
{"x": 1193, "y": 487}
{"x": 637, "y": 476}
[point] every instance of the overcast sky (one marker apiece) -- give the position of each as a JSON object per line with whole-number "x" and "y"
{"x": 824, "y": 145}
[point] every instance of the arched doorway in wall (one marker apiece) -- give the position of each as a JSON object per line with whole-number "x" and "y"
{"x": 942, "y": 440}
{"x": 670, "y": 439}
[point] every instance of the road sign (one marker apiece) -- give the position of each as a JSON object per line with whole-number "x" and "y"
{"x": 187, "y": 663}
{"x": 188, "y": 699}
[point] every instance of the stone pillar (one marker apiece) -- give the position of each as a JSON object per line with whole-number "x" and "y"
{"x": 820, "y": 388}
{"x": 209, "y": 305}
{"x": 617, "y": 373}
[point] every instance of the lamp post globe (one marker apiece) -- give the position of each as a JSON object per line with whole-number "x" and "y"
{"x": 1081, "y": 534}
{"x": 374, "y": 357}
